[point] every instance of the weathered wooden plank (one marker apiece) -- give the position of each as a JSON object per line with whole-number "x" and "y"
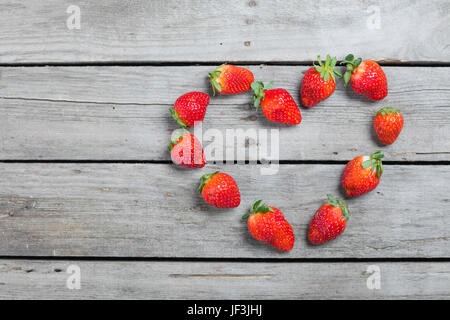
{"x": 106, "y": 113}
{"x": 150, "y": 85}
{"x": 152, "y": 210}
{"x": 239, "y": 30}
{"x": 22, "y": 279}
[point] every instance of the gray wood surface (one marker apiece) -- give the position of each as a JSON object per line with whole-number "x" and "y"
{"x": 104, "y": 97}
{"x": 152, "y": 210}
{"x": 120, "y": 113}
{"x": 201, "y": 30}
{"x": 22, "y": 279}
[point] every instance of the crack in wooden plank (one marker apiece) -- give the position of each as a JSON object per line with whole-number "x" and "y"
{"x": 428, "y": 239}
{"x": 222, "y": 276}
{"x": 382, "y": 248}
{"x": 436, "y": 152}
{"x": 112, "y": 102}
{"x": 82, "y": 101}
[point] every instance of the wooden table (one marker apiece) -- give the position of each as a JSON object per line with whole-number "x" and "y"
{"x": 86, "y": 179}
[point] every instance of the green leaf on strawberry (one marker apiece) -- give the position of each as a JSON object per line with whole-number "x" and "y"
{"x": 339, "y": 203}
{"x": 177, "y": 118}
{"x": 386, "y": 111}
{"x": 257, "y": 208}
{"x": 258, "y": 91}
{"x": 326, "y": 69}
{"x": 375, "y": 163}
{"x": 204, "y": 180}
{"x": 351, "y": 65}
{"x": 213, "y": 79}
{"x": 178, "y": 135}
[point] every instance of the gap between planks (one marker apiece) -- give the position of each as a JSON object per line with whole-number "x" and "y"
{"x": 226, "y": 260}
{"x": 281, "y": 162}
{"x": 390, "y": 63}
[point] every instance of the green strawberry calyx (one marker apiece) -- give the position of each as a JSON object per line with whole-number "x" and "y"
{"x": 177, "y": 118}
{"x": 339, "y": 203}
{"x": 258, "y": 92}
{"x": 326, "y": 69}
{"x": 213, "y": 79}
{"x": 351, "y": 64}
{"x": 204, "y": 179}
{"x": 386, "y": 111}
{"x": 375, "y": 163}
{"x": 176, "y": 138}
{"x": 258, "y": 207}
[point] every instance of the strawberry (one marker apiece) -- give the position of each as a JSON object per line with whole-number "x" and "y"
{"x": 319, "y": 82}
{"x": 219, "y": 190}
{"x": 277, "y": 104}
{"x": 329, "y": 221}
{"x": 362, "y": 174}
{"x": 190, "y": 108}
{"x": 388, "y": 123}
{"x": 268, "y": 224}
{"x": 229, "y": 79}
{"x": 186, "y": 150}
{"x": 366, "y": 77}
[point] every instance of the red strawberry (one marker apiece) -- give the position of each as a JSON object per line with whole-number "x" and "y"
{"x": 277, "y": 104}
{"x": 388, "y": 123}
{"x": 267, "y": 224}
{"x": 219, "y": 190}
{"x": 229, "y": 79}
{"x": 329, "y": 221}
{"x": 319, "y": 82}
{"x": 189, "y": 108}
{"x": 366, "y": 77}
{"x": 362, "y": 174}
{"x": 186, "y": 150}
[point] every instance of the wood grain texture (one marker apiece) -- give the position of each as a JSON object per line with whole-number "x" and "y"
{"x": 120, "y": 113}
{"x": 153, "y": 210}
{"x": 21, "y": 279}
{"x": 238, "y": 30}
